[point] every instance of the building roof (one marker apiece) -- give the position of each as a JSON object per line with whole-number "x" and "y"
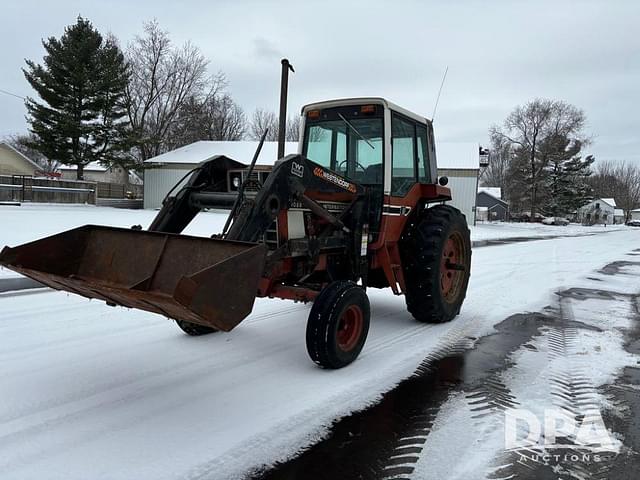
{"x": 610, "y": 201}
{"x": 89, "y": 167}
{"x": 241, "y": 151}
{"x": 450, "y": 155}
{"x": 22, "y": 155}
{"x": 495, "y": 192}
{"x": 458, "y": 155}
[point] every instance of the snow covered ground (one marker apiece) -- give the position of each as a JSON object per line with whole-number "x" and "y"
{"x": 91, "y": 391}
{"x": 499, "y": 230}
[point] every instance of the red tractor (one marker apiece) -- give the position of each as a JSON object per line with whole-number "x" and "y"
{"x": 359, "y": 206}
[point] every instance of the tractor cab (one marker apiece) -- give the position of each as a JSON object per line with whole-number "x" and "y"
{"x": 370, "y": 141}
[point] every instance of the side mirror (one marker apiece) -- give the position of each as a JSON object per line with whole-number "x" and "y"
{"x": 443, "y": 181}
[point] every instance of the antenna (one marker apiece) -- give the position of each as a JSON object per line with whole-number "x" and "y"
{"x": 433, "y": 117}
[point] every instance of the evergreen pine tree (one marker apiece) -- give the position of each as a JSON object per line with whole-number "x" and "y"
{"x": 565, "y": 184}
{"x": 82, "y": 116}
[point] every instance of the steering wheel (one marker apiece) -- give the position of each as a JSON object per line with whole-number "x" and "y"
{"x": 357, "y": 165}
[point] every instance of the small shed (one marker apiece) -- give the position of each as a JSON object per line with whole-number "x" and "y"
{"x": 489, "y": 201}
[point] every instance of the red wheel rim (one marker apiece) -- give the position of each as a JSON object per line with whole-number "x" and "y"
{"x": 452, "y": 267}
{"x": 350, "y": 328}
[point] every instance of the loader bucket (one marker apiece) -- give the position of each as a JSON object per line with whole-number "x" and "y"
{"x": 200, "y": 280}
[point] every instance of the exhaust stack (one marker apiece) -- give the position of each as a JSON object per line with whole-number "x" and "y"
{"x": 284, "y": 88}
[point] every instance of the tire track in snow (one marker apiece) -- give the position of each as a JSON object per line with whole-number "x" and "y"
{"x": 573, "y": 395}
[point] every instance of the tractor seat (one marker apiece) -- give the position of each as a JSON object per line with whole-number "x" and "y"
{"x": 371, "y": 176}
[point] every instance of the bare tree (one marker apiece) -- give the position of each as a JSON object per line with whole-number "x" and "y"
{"x": 163, "y": 77}
{"x": 226, "y": 120}
{"x": 261, "y": 120}
{"x": 629, "y": 196}
{"x": 537, "y": 133}
{"x": 213, "y": 117}
{"x": 293, "y": 129}
{"x": 500, "y": 154}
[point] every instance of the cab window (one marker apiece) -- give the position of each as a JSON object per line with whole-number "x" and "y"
{"x": 352, "y": 147}
{"x": 403, "y": 154}
{"x": 423, "y": 154}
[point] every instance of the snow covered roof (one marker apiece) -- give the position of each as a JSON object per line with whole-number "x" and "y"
{"x": 458, "y": 155}
{"x": 450, "y": 155}
{"x": 242, "y": 151}
{"x": 495, "y": 192}
{"x": 89, "y": 167}
{"x": 610, "y": 201}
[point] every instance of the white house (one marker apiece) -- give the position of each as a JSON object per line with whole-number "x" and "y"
{"x": 635, "y": 214}
{"x": 597, "y": 211}
{"x": 12, "y": 162}
{"x": 458, "y": 161}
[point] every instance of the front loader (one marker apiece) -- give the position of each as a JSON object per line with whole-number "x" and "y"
{"x": 359, "y": 206}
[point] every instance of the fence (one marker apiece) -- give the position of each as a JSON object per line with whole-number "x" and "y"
{"x": 21, "y": 188}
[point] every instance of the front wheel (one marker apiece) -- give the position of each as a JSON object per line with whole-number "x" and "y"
{"x": 338, "y": 325}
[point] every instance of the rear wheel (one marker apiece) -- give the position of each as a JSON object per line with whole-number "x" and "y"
{"x": 338, "y": 325}
{"x": 436, "y": 259}
{"x": 194, "y": 329}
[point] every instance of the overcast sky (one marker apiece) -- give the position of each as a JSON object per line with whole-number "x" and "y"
{"x": 499, "y": 53}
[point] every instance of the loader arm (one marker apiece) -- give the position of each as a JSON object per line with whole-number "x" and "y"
{"x": 294, "y": 178}
{"x": 179, "y": 210}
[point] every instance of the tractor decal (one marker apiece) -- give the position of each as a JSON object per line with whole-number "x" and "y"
{"x": 297, "y": 169}
{"x": 335, "y": 179}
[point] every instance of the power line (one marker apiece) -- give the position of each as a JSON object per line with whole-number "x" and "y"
{"x": 12, "y": 94}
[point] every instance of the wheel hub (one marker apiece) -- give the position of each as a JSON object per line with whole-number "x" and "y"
{"x": 350, "y": 328}
{"x": 452, "y": 267}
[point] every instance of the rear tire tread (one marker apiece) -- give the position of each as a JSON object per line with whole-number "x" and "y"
{"x": 420, "y": 247}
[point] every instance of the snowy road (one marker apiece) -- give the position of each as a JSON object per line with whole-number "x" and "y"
{"x": 90, "y": 391}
